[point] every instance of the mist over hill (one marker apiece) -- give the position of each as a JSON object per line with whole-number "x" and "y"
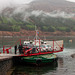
{"x": 48, "y": 15}
{"x": 61, "y": 7}
{"x": 51, "y": 5}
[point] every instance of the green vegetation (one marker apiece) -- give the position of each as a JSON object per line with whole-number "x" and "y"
{"x": 30, "y": 27}
{"x": 73, "y": 29}
{"x": 43, "y": 23}
{"x": 66, "y": 29}
{"x": 16, "y": 28}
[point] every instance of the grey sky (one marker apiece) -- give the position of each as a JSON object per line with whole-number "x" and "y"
{"x": 6, "y": 3}
{"x": 71, "y": 0}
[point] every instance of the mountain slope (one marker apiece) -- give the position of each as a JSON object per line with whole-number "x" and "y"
{"x": 51, "y": 5}
{"x": 48, "y": 15}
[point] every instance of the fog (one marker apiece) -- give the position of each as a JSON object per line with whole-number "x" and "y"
{"x": 22, "y": 5}
{"x": 71, "y": 0}
{"x": 12, "y": 3}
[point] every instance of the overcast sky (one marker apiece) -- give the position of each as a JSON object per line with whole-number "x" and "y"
{"x": 5, "y": 3}
{"x": 71, "y": 0}
{"x": 11, "y": 3}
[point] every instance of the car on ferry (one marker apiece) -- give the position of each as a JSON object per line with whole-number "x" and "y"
{"x": 46, "y": 47}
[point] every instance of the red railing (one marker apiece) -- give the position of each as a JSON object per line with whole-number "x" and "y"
{"x": 27, "y": 52}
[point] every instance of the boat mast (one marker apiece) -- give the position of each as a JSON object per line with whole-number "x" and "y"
{"x": 36, "y": 37}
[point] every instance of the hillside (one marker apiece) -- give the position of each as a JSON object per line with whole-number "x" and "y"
{"x": 51, "y": 16}
{"x": 51, "y": 5}
{"x": 46, "y": 23}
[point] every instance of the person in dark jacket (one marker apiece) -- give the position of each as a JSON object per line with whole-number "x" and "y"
{"x": 20, "y": 48}
{"x": 15, "y": 48}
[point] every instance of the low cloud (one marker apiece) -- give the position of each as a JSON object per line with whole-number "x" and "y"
{"x": 71, "y": 0}
{"x": 12, "y": 3}
{"x": 55, "y": 13}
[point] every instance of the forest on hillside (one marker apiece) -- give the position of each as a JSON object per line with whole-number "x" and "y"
{"x": 43, "y": 23}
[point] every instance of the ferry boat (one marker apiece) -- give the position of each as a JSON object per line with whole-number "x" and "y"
{"x": 38, "y": 51}
{"x": 39, "y": 59}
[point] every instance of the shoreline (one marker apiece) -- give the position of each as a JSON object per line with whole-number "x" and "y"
{"x": 25, "y": 33}
{"x": 33, "y": 36}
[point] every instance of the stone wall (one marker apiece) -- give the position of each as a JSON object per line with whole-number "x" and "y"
{"x": 5, "y": 65}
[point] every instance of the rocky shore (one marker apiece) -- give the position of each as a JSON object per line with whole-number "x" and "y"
{"x": 31, "y": 33}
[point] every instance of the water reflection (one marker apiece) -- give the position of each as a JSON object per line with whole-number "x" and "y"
{"x": 33, "y": 70}
{"x": 60, "y": 62}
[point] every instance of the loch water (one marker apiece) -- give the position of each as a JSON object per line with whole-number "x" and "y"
{"x": 65, "y": 63}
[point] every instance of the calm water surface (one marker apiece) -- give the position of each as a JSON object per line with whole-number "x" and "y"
{"x": 65, "y": 64}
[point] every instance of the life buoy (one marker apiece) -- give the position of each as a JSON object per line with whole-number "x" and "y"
{"x": 38, "y": 61}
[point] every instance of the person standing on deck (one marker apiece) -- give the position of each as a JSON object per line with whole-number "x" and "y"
{"x": 15, "y": 48}
{"x": 20, "y": 48}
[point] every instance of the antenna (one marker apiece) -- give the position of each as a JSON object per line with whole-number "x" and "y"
{"x": 36, "y": 37}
